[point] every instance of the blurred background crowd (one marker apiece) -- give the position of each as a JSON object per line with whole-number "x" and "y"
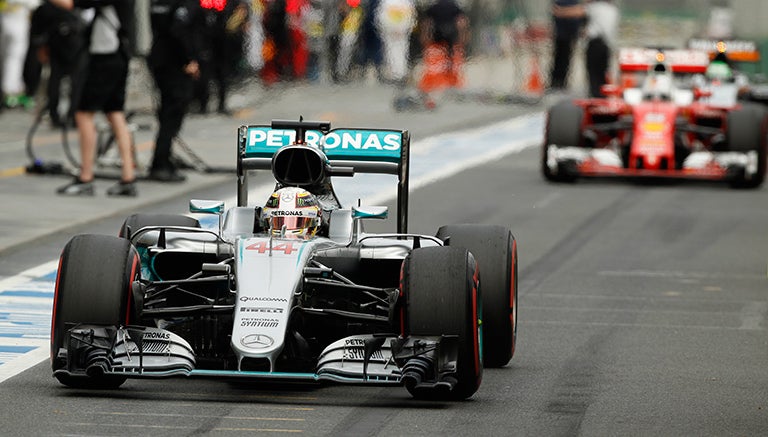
{"x": 268, "y": 42}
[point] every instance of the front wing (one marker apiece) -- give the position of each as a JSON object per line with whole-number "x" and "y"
{"x": 705, "y": 165}
{"x": 156, "y": 353}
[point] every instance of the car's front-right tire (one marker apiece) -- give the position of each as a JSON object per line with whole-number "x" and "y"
{"x": 93, "y": 287}
{"x": 440, "y": 286}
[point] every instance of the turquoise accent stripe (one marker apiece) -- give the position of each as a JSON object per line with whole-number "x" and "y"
{"x": 245, "y": 373}
{"x": 301, "y": 250}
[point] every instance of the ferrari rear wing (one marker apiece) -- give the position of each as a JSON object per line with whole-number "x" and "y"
{"x": 325, "y": 151}
{"x": 679, "y": 60}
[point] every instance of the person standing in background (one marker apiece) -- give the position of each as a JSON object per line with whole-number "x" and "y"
{"x": 14, "y": 41}
{"x": 602, "y": 28}
{"x": 174, "y": 63}
{"x": 395, "y": 21}
{"x": 105, "y": 79}
{"x": 444, "y": 36}
{"x": 566, "y": 32}
{"x": 58, "y": 39}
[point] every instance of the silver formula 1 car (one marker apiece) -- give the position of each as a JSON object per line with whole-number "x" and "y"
{"x": 251, "y": 298}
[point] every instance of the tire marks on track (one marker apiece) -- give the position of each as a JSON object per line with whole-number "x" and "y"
{"x": 532, "y": 276}
{"x": 576, "y": 385}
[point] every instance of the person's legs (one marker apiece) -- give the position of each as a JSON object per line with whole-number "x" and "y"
{"x": 597, "y": 65}
{"x": 123, "y": 138}
{"x": 83, "y": 184}
{"x": 175, "y": 92}
{"x": 561, "y": 60}
{"x": 15, "y": 40}
{"x": 86, "y": 130}
{"x": 53, "y": 91}
{"x": 126, "y": 186}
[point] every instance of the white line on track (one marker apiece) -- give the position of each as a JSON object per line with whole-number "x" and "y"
{"x": 432, "y": 159}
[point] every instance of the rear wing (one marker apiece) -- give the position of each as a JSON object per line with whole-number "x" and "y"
{"x": 344, "y": 152}
{"x": 738, "y": 50}
{"x": 679, "y": 60}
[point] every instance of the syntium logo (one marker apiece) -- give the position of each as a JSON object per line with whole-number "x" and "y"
{"x": 259, "y": 323}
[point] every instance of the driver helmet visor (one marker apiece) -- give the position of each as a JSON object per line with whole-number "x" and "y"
{"x": 291, "y": 223}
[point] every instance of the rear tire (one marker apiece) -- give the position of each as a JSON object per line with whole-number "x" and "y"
{"x": 495, "y": 250}
{"x": 442, "y": 297}
{"x": 563, "y": 129}
{"x": 93, "y": 287}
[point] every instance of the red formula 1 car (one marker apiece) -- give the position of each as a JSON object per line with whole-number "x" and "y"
{"x": 657, "y": 127}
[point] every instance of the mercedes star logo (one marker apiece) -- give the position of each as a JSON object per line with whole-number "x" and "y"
{"x": 257, "y": 341}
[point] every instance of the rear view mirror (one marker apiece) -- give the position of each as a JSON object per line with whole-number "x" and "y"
{"x": 206, "y": 206}
{"x": 378, "y": 212}
{"x": 699, "y": 93}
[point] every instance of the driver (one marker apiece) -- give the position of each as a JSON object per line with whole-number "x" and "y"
{"x": 658, "y": 83}
{"x": 292, "y": 212}
{"x": 720, "y": 68}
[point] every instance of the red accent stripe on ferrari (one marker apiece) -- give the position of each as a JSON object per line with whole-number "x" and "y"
{"x": 675, "y": 68}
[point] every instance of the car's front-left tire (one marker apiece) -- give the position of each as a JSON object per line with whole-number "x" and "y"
{"x": 93, "y": 287}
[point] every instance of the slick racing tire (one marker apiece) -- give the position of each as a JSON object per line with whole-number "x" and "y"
{"x": 495, "y": 250}
{"x": 93, "y": 287}
{"x": 563, "y": 129}
{"x": 745, "y": 132}
{"x": 137, "y": 221}
{"x": 442, "y": 298}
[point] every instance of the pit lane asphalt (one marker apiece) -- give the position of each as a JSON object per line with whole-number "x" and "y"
{"x": 31, "y": 209}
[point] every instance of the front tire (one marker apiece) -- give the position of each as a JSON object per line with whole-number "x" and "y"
{"x": 495, "y": 250}
{"x": 745, "y": 132}
{"x": 564, "y": 130}
{"x": 93, "y": 286}
{"x": 442, "y": 298}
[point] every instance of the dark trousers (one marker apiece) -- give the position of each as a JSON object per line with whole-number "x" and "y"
{"x": 561, "y": 62}
{"x": 176, "y": 90}
{"x": 218, "y": 73}
{"x": 598, "y": 53}
{"x": 59, "y": 72}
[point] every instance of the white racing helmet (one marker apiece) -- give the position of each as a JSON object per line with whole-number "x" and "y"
{"x": 292, "y": 212}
